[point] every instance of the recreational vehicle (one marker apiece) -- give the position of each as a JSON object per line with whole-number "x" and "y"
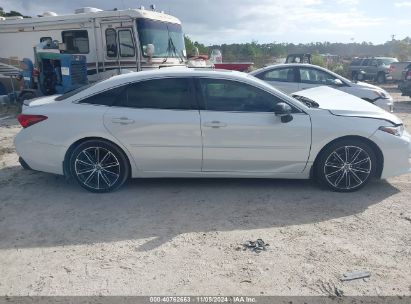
{"x": 132, "y": 39}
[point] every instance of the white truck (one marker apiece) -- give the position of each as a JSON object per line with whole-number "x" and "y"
{"x": 132, "y": 39}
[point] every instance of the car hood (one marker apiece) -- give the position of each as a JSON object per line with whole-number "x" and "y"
{"x": 344, "y": 104}
{"x": 368, "y": 86}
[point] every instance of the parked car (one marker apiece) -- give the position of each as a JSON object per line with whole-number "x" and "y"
{"x": 204, "y": 123}
{"x": 290, "y": 78}
{"x": 376, "y": 69}
{"x": 405, "y": 84}
{"x": 396, "y": 70}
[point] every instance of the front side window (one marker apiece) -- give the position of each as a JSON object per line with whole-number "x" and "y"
{"x": 282, "y": 75}
{"x": 314, "y": 76}
{"x": 106, "y": 98}
{"x": 76, "y": 42}
{"x": 125, "y": 40}
{"x": 226, "y": 95}
{"x": 111, "y": 43}
{"x": 168, "y": 93}
{"x": 167, "y": 38}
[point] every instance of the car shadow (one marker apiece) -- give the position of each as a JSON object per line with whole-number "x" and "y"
{"x": 43, "y": 210}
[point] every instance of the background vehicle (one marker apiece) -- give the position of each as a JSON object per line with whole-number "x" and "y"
{"x": 198, "y": 123}
{"x": 53, "y": 73}
{"x": 405, "y": 84}
{"x": 290, "y": 78}
{"x": 396, "y": 70}
{"x": 376, "y": 69}
{"x": 134, "y": 39}
{"x": 298, "y": 58}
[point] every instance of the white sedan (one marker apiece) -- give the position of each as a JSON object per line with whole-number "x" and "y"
{"x": 294, "y": 77}
{"x": 204, "y": 123}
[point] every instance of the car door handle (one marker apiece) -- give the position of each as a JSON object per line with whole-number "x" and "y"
{"x": 122, "y": 120}
{"x": 215, "y": 124}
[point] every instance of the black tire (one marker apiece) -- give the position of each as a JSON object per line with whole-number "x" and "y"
{"x": 380, "y": 78}
{"x": 99, "y": 166}
{"x": 346, "y": 165}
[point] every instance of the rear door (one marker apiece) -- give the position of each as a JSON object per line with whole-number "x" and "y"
{"x": 283, "y": 79}
{"x": 159, "y": 123}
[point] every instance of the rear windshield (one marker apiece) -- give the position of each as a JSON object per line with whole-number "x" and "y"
{"x": 73, "y": 92}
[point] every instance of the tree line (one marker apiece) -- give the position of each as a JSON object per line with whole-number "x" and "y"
{"x": 265, "y": 53}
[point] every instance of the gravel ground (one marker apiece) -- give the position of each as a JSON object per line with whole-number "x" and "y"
{"x": 183, "y": 237}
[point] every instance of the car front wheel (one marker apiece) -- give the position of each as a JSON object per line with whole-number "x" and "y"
{"x": 346, "y": 166}
{"x": 99, "y": 166}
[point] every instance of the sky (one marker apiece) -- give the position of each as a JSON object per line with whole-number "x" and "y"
{"x": 264, "y": 21}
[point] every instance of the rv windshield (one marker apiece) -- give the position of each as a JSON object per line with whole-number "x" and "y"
{"x": 167, "y": 38}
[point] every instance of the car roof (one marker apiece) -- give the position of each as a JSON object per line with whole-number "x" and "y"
{"x": 124, "y": 79}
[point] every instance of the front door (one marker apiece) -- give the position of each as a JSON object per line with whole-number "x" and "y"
{"x": 120, "y": 48}
{"x": 159, "y": 123}
{"x": 241, "y": 132}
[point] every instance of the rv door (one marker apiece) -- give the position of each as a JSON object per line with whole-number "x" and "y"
{"x": 119, "y": 48}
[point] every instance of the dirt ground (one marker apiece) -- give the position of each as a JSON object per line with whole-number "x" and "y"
{"x": 183, "y": 237}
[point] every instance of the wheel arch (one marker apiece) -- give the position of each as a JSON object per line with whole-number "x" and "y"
{"x": 66, "y": 162}
{"x": 374, "y": 146}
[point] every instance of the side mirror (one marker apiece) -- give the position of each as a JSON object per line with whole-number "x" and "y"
{"x": 283, "y": 110}
{"x": 150, "y": 50}
{"x": 337, "y": 82}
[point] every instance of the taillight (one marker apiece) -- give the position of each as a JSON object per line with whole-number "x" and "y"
{"x": 35, "y": 72}
{"x": 29, "y": 120}
{"x": 392, "y": 68}
{"x": 409, "y": 75}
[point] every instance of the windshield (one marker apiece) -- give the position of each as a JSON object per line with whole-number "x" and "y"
{"x": 167, "y": 38}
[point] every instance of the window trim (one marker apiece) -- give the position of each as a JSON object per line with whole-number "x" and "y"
{"x": 132, "y": 40}
{"x": 88, "y": 41}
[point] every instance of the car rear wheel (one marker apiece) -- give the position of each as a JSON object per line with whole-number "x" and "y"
{"x": 99, "y": 166}
{"x": 346, "y": 166}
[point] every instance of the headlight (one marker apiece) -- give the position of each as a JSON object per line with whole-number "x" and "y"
{"x": 381, "y": 94}
{"x": 393, "y": 130}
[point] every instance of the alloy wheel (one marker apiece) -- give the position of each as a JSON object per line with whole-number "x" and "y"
{"x": 347, "y": 167}
{"x": 97, "y": 168}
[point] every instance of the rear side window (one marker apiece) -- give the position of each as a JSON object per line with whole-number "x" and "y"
{"x": 76, "y": 41}
{"x": 169, "y": 93}
{"x": 282, "y": 75}
{"x": 106, "y": 98}
{"x": 356, "y": 62}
